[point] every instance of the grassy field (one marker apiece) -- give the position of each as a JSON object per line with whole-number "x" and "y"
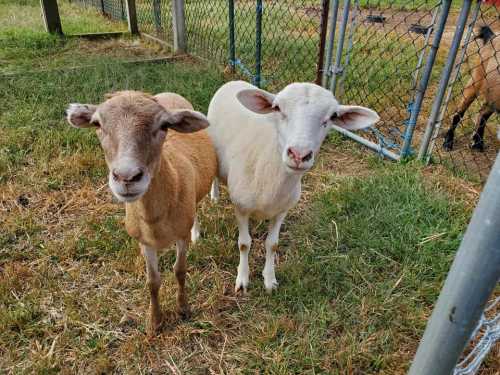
{"x": 25, "y": 47}
{"x": 361, "y": 260}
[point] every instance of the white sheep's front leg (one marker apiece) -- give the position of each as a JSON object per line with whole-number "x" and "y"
{"x": 214, "y": 191}
{"x": 244, "y": 243}
{"x": 271, "y": 247}
{"x": 195, "y": 231}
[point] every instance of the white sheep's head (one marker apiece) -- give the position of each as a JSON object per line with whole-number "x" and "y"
{"x": 304, "y": 113}
{"x": 132, "y": 127}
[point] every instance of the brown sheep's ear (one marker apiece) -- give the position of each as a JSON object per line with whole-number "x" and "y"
{"x": 80, "y": 115}
{"x": 183, "y": 121}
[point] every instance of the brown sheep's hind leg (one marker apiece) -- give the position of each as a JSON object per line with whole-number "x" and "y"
{"x": 180, "y": 268}
{"x": 478, "y": 136}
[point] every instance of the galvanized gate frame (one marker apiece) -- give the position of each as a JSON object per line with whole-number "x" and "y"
{"x": 335, "y": 72}
{"x": 446, "y": 84}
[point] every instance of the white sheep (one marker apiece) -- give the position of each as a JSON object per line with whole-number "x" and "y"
{"x": 161, "y": 177}
{"x": 265, "y": 143}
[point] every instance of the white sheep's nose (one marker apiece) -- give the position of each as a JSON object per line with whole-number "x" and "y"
{"x": 127, "y": 175}
{"x": 299, "y": 156}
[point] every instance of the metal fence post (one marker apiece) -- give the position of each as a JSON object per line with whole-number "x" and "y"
{"x": 51, "y": 17}
{"x": 471, "y": 280}
{"x": 424, "y": 81}
{"x": 132, "y": 17}
{"x": 350, "y": 44}
{"x": 445, "y": 77}
{"x": 331, "y": 41}
{"x": 325, "y": 8}
{"x": 122, "y": 9}
{"x": 258, "y": 44}
{"x": 179, "y": 26}
{"x": 340, "y": 46}
{"x": 157, "y": 15}
{"x": 232, "y": 45}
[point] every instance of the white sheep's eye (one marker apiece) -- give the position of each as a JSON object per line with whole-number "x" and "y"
{"x": 334, "y": 116}
{"x": 96, "y": 123}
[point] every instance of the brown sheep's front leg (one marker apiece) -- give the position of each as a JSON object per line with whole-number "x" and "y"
{"x": 154, "y": 283}
{"x": 180, "y": 268}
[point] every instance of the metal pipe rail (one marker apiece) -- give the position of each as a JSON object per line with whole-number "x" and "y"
{"x": 472, "y": 278}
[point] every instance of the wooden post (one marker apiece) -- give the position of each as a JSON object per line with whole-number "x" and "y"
{"x": 51, "y": 16}
{"x": 322, "y": 40}
{"x": 132, "y": 17}
{"x": 179, "y": 26}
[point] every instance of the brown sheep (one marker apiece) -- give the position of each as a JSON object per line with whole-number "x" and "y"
{"x": 485, "y": 82}
{"x": 160, "y": 174}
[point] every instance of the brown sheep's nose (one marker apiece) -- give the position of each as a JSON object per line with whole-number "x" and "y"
{"x": 127, "y": 176}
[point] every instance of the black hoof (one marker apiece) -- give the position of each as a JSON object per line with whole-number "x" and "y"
{"x": 477, "y": 143}
{"x": 478, "y": 146}
{"x": 448, "y": 145}
{"x": 184, "y": 312}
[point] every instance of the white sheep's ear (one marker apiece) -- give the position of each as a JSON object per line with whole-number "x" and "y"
{"x": 183, "y": 121}
{"x": 351, "y": 117}
{"x": 80, "y": 115}
{"x": 258, "y": 101}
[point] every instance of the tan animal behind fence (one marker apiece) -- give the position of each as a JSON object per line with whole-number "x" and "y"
{"x": 485, "y": 83}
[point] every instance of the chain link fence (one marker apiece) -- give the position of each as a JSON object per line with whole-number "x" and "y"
{"x": 154, "y": 17}
{"x": 382, "y": 62}
{"x": 268, "y": 42}
{"x": 385, "y": 54}
{"x": 114, "y": 9}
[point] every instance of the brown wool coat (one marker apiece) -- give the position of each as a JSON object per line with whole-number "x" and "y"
{"x": 485, "y": 76}
{"x": 183, "y": 177}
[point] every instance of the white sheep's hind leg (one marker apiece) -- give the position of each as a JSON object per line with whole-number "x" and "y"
{"x": 195, "y": 231}
{"x": 214, "y": 191}
{"x": 271, "y": 244}
{"x": 244, "y": 243}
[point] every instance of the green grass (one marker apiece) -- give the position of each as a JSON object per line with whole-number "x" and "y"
{"x": 361, "y": 260}
{"x": 25, "y": 47}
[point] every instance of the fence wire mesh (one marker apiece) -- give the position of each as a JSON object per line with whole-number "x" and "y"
{"x": 114, "y": 9}
{"x": 154, "y": 17}
{"x": 207, "y": 25}
{"x": 386, "y": 47}
{"x": 289, "y": 37}
{"x": 467, "y": 135}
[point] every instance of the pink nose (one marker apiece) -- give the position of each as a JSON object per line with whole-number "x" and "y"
{"x": 299, "y": 157}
